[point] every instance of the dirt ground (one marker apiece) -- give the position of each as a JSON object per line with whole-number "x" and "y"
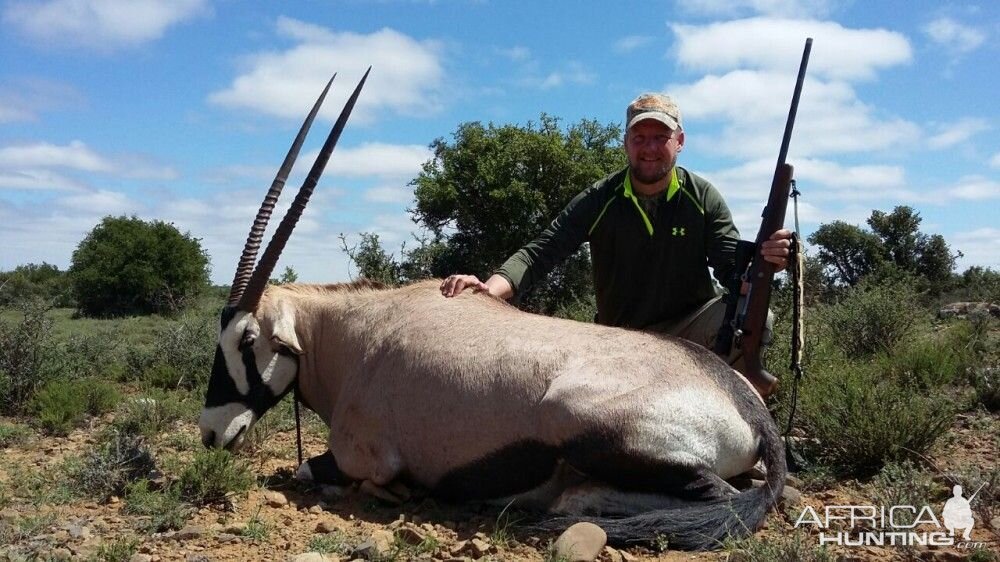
{"x": 278, "y": 520}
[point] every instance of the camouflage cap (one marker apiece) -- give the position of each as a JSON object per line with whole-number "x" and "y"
{"x": 654, "y": 106}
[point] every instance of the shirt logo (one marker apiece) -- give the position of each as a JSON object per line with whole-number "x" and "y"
{"x": 678, "y": 231}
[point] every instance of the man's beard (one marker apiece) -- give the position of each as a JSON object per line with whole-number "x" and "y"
{"x": 650, "y": 175}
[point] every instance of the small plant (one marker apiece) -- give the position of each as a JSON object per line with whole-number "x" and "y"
{"x": 408, "y": 551}
{"x": 552, "y": 556}
{"x": 256, "y": 528}
{"x": 41, "y": 487}
{"x": 151, "y": 414}
{"x": 108, "y": 470}
{"x": 28, "y": 358}
{"x": 213, "y": 476}
{"x": 13, "y": 434}
{"x": 903, "y": 483}
{"x": 986, "y": 381}
{"x": 164, "y": 508}
{"x": 501, "y": 535}
{"x": 661, "y": 543}
{"x": 330, "y": 543}
{"x": 118, "y": 550}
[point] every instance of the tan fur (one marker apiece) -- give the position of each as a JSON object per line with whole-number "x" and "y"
{"x": 410, "y": 381}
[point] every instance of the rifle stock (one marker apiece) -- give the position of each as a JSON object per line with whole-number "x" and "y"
{"x": 752, "y": 321}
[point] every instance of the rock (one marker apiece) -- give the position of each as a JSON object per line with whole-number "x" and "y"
{"x": 794, "y": 481}
{"x": 79, "y": 532}
{"x": 139, "y": 557}
{"x": 233, "y": 529}
{"x": 790, "y": 497}
{"x": 316, "y": 509}
{"x": 275, "y": 499}
{"x": 995, "y": 523}
{"x": 378, "y": 545}
{"x": 311, "y": 557}
{"x": 190, "y": 532}
{"x": 196, "y": 558}
{"x": 326, "y": 527}
{"x": 613, "y": 555}
{"x": 627, "y": 556}
{"x": 479, "y": 547}
{"x": 582, "y": 542}
{"x": 963, "y": 309}
{"x": 60, "y": 554}
{"x": 226, "y": 538}
{"x": 410, "y": 535}
{"x": 458, "y": 548}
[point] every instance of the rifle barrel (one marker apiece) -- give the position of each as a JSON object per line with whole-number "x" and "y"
{"x": 786, "y": 139}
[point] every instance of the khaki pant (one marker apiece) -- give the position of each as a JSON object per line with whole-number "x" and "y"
{"x": 702, "y": 328}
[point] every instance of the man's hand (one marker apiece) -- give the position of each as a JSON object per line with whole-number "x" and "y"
{"x": 455, "y": 284}
{"x": 776, "y": 249}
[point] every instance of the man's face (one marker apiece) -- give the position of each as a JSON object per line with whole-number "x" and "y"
{"x": 652, "y": 150}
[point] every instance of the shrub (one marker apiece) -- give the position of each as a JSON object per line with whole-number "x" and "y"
{"x": 151, "y": 414}
{"x": 872, "y": 318}
{"x": 28, "y": 358}
{"x": 13, "y": 434}
{"x": 118, "y": 550}
{"x": 787, "y": 547}
{"x": 213, "y": 476}
{"x": 164, "y": 508}
{"x": 108, "y": 470}
{"x": 864, "y": 420}
{"x": 35, "y": 282}
{"x": 128, "y": 266}
{"x": 180, "y": 355}
{"x": 903, "y": 483}
{"x": 62, "y": 403}
{"x": 330, "y": 543}
{"x": 926, "y": 364}
{"x": 987, "y": 384}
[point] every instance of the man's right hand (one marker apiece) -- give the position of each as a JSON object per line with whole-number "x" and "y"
{"x": 455, "y": 284}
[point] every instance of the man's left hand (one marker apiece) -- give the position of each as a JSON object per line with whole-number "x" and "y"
{"x": 777, "y": 249}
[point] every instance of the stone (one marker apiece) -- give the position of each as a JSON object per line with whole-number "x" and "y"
{"x": 233, "y": 529}
{"x": 790, "y": 497}
{"x": 61, "y": 554}
{"x": 479, "y": 547}
{"x": 628, "y": 556}
{"x": 410, "y": 535}
{"x": 581, "y": 542}
{"x": 190, "y": 532}
{"x": 612, "y": 555}
{"x": 458, "y": 548}
{"x": 793, "y": 481}
{"x": 310, "y": 557}
{"x": 995, "y": 523}
{"x": 79, "y": 532}
{"x": 196, "y": 558}
{"x": 316, "y": 509}
{"x": 326, "y": 527}
{"x": 378, "y": 545}
{"x": 275, "y": 499}
{"x": 139, "y": 557}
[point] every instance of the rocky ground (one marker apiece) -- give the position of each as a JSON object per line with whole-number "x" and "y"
{"x": 283, "y": 520}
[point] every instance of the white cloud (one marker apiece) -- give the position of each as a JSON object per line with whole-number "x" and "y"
{"x": 975, "y": 188}
{"x": 954, "y": 36}
{"x": 99, "y": 24}
{"x": 979, "y": 247}
{"x": 23, "y": 98}
{"x": 838, "y": 52}
{"x": 516, "y": 54}
{"x": 401, "y": 194}
{"x": 573, "y": 73}
{"x": 101, "y": 202}
{"x": 378, "y": 160}
{"x": 793, "y": 8}
{"x": 995, "y": 161}
{"x": 959, "y": 131}
{"x": 76, "y": 155}
{"x": 631, "y": 43}
{"x": 38, "y": 180}
{"x": 829, "y": 119}
{"x": 406, "y": 76}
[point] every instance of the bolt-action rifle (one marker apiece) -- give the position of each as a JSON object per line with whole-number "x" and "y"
{"x": 747, "y": 323}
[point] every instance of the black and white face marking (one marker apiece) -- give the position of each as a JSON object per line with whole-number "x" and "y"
{"x": 248, "y": 378}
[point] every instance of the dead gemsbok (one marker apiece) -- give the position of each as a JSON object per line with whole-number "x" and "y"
{"x": 471, "y": 398}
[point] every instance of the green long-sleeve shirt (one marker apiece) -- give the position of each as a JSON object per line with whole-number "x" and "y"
{"x": 646, "y": 270}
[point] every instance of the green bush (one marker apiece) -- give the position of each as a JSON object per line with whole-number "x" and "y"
{"x": 164, "y": 509}
{"x": 13, "y": 434}
{"x": 987, "y": 384}
{"x": 872, "y": 318}
{"x": 118, "y": 550}
{"x": 114, "y": 464}
{"x": 926, "y": 364}
{"x": 330, "y": 543}
{"x": 152, "y": 414}
{"x": 61, "y": 404}
{"x": 35, "y": 282}
{"x": 28, "y": 357}
{"x": 180, "y": 355}
{"x": 863, "y": 419}
{"x": 787, "y": 547}
{"x": 903, "y": 483}
{"x": 129, "y": 266}
{"x": 213, "y": 476}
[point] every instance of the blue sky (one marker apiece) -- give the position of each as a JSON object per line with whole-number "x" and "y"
{"x": 181, "y": 110}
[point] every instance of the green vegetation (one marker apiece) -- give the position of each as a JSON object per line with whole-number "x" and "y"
{"x": 13, "y": 434}
{"x": 161, "y": 509}
{"x": 213, "y": 476}
{"x": 129, "y": 266}
{"x": 118, "y": 550}
{"x": 107, "y": 470}
{"x": 62, "y": 403}
{"x": 330, "y": 543}
{"x": 256, "y": 528}
{"x": 788, "y": 547}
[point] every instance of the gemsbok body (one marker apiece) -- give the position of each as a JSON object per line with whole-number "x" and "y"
{"x": 471, "y": 398}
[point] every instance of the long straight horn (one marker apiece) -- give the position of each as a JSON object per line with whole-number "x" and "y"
{"x": 249, "y": 256}
{"x": 255, "y": 288}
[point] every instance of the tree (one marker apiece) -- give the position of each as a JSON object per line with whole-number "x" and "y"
{"x": 895, "y": 247}
{"x": 494, "y": 188}
{"x": 35, "y": 281}
{"x": 847, "y": 251}
{"x": 372, "y": 261}
{"x": 129, "y": 266}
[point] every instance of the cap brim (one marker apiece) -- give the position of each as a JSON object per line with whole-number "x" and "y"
{"x": 656, "y": 116}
